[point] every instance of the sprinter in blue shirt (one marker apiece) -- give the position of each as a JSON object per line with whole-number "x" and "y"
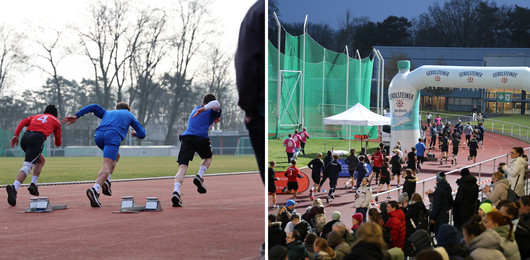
{"x": 196, "y": 140}
{"x": 109, "y": 134}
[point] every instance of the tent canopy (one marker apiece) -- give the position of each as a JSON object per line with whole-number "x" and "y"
{"x": 357, "y": 115}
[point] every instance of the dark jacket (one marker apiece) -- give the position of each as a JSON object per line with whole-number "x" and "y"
{"x": 327, "y": 228}
{"x": 465, "y": 200}
{"x": 442, "y": 202}
{"x": 276, "y": 235}
{"x": 352, "y": 162}
{"x": 316, "y": 165}
{"x": 409, "y": 185}
{"x": 366, "y": 251}
{"x": 522, "y": 237}
{"x": 458, "y": 251}
{"x": 296, "y": 250}
{"x": 303, "y": 228}
{"x": 396, "y": 221}
{"x": 333, "y": 169}
{"x": 311, "y": 213}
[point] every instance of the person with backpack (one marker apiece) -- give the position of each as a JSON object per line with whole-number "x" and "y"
{"x": 516, "y": 171}
{"x": 466, "y": 198}
{"x": 416, "y": 217}
{"x": 311, "y": 214}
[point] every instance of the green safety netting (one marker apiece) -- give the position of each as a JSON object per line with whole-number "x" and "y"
{"x": 333, "y": 82}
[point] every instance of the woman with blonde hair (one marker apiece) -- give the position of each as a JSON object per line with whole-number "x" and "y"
{"x": 369, "y": 243}
{"x": 500, "y": 188}
{"x": 323, "y": 251}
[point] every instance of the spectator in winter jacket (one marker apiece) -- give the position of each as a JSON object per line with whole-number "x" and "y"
{"x": 483, "y": 243}
{"x": 369, "y": 243}
{"x": 363, "y": 196}
{"x": 356, "y": 221}
{"x": 338, "y": 244}
{"x": 409, "y": 183}
{"x": 309, "y": 243}
{"x": 316, "y": 208}
{"x": 335, "y": 217}
{"x": 466, "y": 198}
{"x": 449, "y": 238}
{"x": 522, "y": 229}
{"x": 516, "y": 171}
{"x": 416, "y": 217}
{"x": 276, "y": 233}
{"x": 504, "y": 227}
{"x": 343, "y": 230}
{"x": 302, "y": 226}
{"x": 442, "y": 202}
{"x": 295, "y": 247}
{"x": 323, "y": 251}
{"x": 396, "y": 221}
{"x": 278, "y": 252}
{"x": 500, "y": 188}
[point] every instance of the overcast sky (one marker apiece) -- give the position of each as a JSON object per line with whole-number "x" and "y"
{"x": 59, "y": 13}
{"x": 377, "y": 10}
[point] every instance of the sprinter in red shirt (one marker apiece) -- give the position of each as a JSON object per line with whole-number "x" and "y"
{"x": 292, "y": 173}
{"x": 39, "y": 127}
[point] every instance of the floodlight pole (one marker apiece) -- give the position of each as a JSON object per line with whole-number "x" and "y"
{"x": 303, "y": 77}
{"x": 347, "y": 77}
{"x": 279, "y": 94}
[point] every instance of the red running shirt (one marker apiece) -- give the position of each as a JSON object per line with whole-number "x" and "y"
{"x": 292, "y": 173}
{"x": 44, "y": 123}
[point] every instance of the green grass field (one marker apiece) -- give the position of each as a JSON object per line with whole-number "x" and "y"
{"x": 313, "y": 146}
{"x": 63, "y": 169}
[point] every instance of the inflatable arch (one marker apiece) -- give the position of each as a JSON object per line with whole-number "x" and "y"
{"x": 404, "y": 91}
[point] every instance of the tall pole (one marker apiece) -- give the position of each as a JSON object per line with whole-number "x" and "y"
{"x": 303, "y": 77}
{"x": 382, "y": 78}
{"x": 378, "y": 78}
{"x": 279, "y": 87}
{"x": 347, "y": 87}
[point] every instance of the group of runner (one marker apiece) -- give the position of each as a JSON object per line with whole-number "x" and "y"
{"x": 108, "y": 136}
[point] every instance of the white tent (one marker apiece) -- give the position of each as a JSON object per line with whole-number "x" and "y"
{"x": 357, "y": 115}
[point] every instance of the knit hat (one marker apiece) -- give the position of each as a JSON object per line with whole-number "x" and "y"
{"x": 336, "y": 215}
{"x": 440, "y": 177}
{"x": 290, "y": 203}
{"x": 442, "y": 252}
{"x": 403, "y": 197}
{"x": 420, "y": 239}
{"x": 486, "y": 207}
{"x": 447, "y": 236}
{"x": 358, "y": 217}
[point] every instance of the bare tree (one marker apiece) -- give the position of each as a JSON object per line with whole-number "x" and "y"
{"x": 12, "y": 54}
{"x": 53, "y": 55}
{"x": 102, "y": 43}
{"x": 148, "y": 49}
{"x": 191, "y": 31}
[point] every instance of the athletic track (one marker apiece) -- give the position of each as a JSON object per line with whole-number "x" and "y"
{"x": 225, "y": 223}
{"x": 494, "y": 145}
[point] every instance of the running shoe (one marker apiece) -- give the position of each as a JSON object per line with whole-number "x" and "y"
{"x": 327, "y": 199}
{"x": 33, "y": 190}
{"x": 105, "y": 189}
{"x": 93, "y": 196}
{"x": 333, "y": 196}
{"x": 177, "y": 202}
{"x": 11, "y": 195}
{"x": 312, "y": 197}
{"x": 198, "y": 181}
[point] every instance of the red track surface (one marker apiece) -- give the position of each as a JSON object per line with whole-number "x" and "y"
{"x": 225, "y": 223}
{"x": 494, "y": 145}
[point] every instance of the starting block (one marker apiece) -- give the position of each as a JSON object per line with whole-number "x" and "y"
{"x": 128, "y": 205}
{"x": 42, "y": 204}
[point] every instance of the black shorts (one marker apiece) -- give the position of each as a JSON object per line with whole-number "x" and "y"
{"x": 396, "y": 172}
{"x": 377, "y": 169}
{"x": 384, "y": 181}
{"x": 292, "y": 185}
{"x": 272, "y": 188}
{"x": 315, "y": 177}
{"x": 445, "y": 148}
{"x": 411, "y": 166}
{"x": 32, "y": 143}
{"x": 455, "y": 151}
{"x": 351, "y": 173}
{"x": 190, "y": 144}
{"x": 472, "y": 153}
